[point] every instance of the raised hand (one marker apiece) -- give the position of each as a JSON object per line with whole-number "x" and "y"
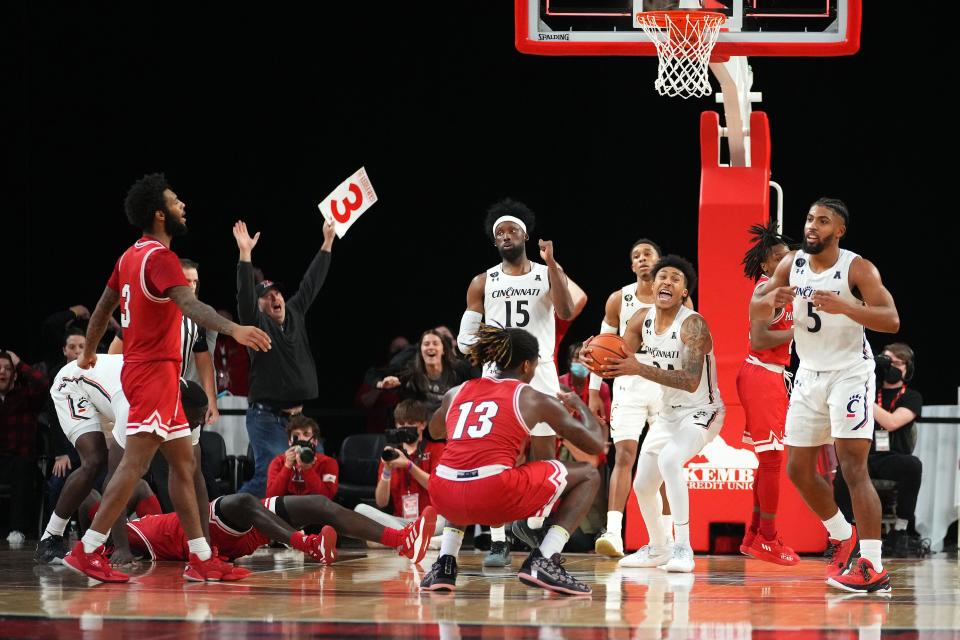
{"x": 546, "y": 253}
{"x": 329, "y": 233}
{"x": 244, "y": 242}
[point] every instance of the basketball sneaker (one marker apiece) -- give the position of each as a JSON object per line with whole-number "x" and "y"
{"x": 860, "y": 577}
{"x": 681, "y": 560}
{"x": 442, "y": 575}
{"x": 609, "y": 544}
{"x": 747, "y": 541}
{"x": 528, "y": 535}
{"x": 416, "y": 535}
{"x": 772, "y": 551}
{"x": 648, "y": 556}
{"x": 549, "y": 574}
{"x": 842, "y": 552}
{"x": 51, "y": 550}
{"x": 321, "y": 547}
{"x": 94, "y": 565}
{"x": 498, "y": 556}
{"x": 212, "y": 570}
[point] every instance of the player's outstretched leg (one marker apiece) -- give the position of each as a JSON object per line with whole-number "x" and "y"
{"x": 646, "y": 486}
{"x": 544, "y": 566}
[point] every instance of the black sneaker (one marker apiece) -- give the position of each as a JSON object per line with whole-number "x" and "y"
{"x": 442, "y": 575}
{"x": 498, "y": 556}
{"x": 549, "y": 574}
{"x": 527, "y": 535}
{"x": 51, "y": 550}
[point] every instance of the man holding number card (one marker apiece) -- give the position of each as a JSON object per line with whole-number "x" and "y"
{"x": 281, "y": 379}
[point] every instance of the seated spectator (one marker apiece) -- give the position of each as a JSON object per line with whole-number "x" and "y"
{"x": 403, "y": 480}
{"x": 57, "y": 328}
{"x": 377, "y": 402}
{"x": 891, "y": 452}
{"x": 432, "y": 371}
{"x": 301, "y": 470}
{"x": 23, "y": 392}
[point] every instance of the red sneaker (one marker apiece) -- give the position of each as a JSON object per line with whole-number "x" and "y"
{"x": 860, "y": 577}
{"x": 747, "y": 541}
{"x": 842, "y": 553}
{"x": 772, "y": 551}
{"x": 212, "y": 570}
{"x": 322, "y": 547}
{"x": 416, "y": 535}
{"x": 94, "y": 565}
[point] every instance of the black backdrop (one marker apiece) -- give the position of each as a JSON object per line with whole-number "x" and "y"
{"x": 257, "y": 114}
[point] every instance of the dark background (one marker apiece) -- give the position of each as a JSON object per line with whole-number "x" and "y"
{"x": 258, "y": 113}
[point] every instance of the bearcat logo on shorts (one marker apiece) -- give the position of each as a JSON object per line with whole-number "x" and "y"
{"x": 855, "y": 399}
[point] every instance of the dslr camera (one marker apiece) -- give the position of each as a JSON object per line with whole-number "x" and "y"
{"x": 397, "y": 438}
{"x": 306, "y": 451}
{"x": 886, "y": 372}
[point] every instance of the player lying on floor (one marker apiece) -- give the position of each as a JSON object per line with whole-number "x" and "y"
{"x": 241, "y": 523}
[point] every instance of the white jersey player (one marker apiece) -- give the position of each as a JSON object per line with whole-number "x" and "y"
{"x": 519, "y": 293}
{"x": 680, "y": 347}
{"x": 835, "y": 295}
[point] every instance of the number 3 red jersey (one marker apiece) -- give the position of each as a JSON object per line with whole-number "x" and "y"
{"x": 150, "y": 321}
{"x": 484, "y": 425}
{"x": 779, "y": 354}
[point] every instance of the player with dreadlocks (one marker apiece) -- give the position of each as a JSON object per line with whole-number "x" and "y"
{"x": 761, "y": 385}
{"x": 487, "y": 423}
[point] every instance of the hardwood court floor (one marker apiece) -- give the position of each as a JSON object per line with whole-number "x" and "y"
{"x": 373, "y": 594}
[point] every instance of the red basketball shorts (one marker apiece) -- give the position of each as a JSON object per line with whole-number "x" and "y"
{"x": 531, "y": 489}
{"x": 161, "y": 537}
{"x": 231, "y": 543}
{"x": 764, "y": 399}
{"x": 153, "y": 391}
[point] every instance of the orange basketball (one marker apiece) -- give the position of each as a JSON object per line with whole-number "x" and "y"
{"x": 604, "y": 347}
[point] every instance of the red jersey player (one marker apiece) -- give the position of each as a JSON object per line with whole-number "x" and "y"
{"x": 149, "y": 285}
{"x": 487, "y": 424}
{"x": 763, "y": 394}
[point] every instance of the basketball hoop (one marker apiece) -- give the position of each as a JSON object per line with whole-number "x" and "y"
{"x": 684, "y": 41}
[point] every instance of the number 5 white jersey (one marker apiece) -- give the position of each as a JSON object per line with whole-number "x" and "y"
{"x": 825, "y": 341}
{"x": 522, "y": 302}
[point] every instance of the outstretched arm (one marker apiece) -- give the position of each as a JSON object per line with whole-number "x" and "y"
{"x": 246, "y": 298}
{"x": 98, "y": 326}
{"x": 207, "y": 317}
{"x": 695, "y": 335}
{"x": 316, "y": 273}
{"x": 583, "y": 430}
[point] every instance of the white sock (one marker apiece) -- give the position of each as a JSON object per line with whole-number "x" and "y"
{"x": 681, "y": 533}
{"x": 901, "y": 524}
{"x": 93, "y": 540}
{"x": 497, "y": 534}
{"x": 58, "y": 525}
{"x": 870, "y": 550}
{"x": 200, "y": 548}
{"x": 615, "y": 522}
{"x": 838, "y": 527}
{"x": 667, "y": 521}
{"x": 535, "y": 523}
{"x": 451, "y": 540}
{"x": 554, "y": 541}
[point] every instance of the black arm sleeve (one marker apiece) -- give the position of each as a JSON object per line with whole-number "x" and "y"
{"x": 312, "y": 282}
{"x": 247, "y": 311}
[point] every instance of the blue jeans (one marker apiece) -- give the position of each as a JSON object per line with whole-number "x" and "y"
{"x": 268, "y": 438}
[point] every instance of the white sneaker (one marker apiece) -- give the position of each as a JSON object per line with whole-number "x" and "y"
{"x": 610, "y": 545}
{"x": 681, "y": 560}
{"x": 647, "y": 556}
{"x": 16, "y": 538}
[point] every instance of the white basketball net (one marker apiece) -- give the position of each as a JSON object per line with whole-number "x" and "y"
{"x": 684, "y": 40}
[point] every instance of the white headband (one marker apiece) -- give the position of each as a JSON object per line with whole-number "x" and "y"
{"x": 513, "y": 219}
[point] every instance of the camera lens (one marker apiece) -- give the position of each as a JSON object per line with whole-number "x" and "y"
{"x": 307, "y": 455}
{"x": 389, "y": 454}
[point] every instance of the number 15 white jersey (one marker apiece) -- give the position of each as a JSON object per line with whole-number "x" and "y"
{"x": 522, "y": 302}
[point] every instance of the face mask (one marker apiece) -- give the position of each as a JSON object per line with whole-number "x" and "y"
{"x": 893, "y": 376}
{"x": 579, "y": 370}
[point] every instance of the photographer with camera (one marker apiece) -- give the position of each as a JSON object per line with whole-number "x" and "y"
{"x": 407, "y": 461}
{"x": 300, "y": 470}
{"x": 891, "y": 453}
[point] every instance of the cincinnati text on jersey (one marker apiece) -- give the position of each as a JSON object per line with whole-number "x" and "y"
{"x": 510, "y": 292}
{"x": 807, "y": 292}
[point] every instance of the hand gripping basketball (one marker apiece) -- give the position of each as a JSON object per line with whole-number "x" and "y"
{"x": 603, "y": 349}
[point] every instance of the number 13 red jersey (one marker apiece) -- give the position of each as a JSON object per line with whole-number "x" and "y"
{"x": 484, "y": 425}
{"x": 150, "y": 321}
